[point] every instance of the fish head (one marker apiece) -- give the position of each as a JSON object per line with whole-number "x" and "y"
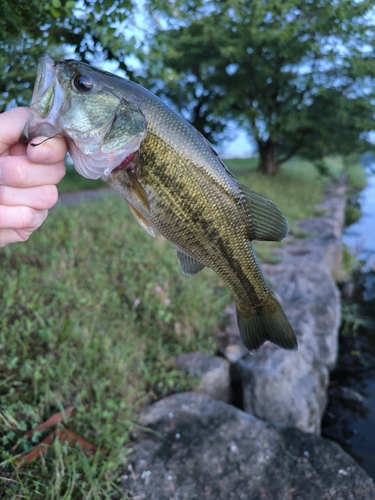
{"x": 78, "y": 102}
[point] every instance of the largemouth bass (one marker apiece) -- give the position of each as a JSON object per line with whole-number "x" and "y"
{"x": 172, "y": 180}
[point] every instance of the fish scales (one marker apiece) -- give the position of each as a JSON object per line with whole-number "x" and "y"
{"x": 197, "y": 221}
{"x": 172, "y": 180}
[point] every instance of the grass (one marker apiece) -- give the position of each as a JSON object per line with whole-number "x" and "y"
{"x": 92, "y": 311}
{"x": 73, "y": 332}
{"x": 75, "y": 182}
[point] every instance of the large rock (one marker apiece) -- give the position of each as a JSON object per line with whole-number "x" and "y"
{"x": 290, "y": 387}
{"x": 206, "y": 449}
{"x": 214, "y": 373}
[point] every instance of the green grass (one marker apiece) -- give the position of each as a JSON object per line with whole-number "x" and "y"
{"x": 92, "y": 309}
{"x": 355, "y": 173}
{"x": 75, "y": 182}
{"x": 71, "y": 334}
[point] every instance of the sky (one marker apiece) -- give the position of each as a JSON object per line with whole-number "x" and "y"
{"x": 240, "y": 146}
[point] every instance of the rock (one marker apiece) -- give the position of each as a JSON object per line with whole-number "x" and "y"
{"x": 213, "y": 371}
{"x": 235, "y": 352}
{"x": 347, "y": 394}
{"x": 213, "y": 451}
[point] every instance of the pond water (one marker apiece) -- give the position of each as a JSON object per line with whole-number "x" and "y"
{"x": 360, "y": 237}
{"x": 350, "y": 415}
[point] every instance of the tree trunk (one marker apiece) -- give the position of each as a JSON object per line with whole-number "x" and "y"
{"x": 267, "y": 164}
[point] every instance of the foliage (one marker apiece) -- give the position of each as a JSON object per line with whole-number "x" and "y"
{"x": 355, "y": 173}
{"x": 297, "y": 74}
{"x": 87, "y": 29}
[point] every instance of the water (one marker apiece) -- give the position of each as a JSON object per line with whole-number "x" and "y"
{"x": 360, "y": 237}
{"x": 352, "y": 423}
{"x": 362, "y": 443}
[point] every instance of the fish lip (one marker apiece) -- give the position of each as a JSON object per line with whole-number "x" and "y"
{"x": 45, "y": 76}
{"x": 45, "y": 88}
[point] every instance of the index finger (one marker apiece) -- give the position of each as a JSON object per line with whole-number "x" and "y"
{"x": 12, "y": 123}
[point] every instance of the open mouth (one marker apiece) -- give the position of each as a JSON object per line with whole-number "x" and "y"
{"x": 125, "y": 162}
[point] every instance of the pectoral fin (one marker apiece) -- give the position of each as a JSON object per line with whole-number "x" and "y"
{"x": 138, "y": 190}
{"x": 188, "y": 265}
{"x": 267, "y": 222}
{"x": 143, "y": 222}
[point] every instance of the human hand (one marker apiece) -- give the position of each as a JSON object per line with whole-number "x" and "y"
{"x": 27, "y": 177}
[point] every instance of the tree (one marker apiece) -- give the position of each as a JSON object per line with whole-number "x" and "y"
{"x": 88, "y": 29}
{"x": 297, "y": 74}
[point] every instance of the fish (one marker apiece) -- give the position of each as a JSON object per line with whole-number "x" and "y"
{"x": 172, "y": 179}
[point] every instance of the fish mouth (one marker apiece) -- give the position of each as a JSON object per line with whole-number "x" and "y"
{"x": 44, "y": 77}
{"x": 46, "y": 102}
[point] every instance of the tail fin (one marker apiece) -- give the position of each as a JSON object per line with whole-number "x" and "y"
{"x": 272, "y": 326}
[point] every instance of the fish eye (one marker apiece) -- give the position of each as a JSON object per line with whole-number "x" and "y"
{"x": 82, "y": 83}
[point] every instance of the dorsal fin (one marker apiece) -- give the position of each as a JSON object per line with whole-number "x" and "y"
{"x": 267, "y": 222}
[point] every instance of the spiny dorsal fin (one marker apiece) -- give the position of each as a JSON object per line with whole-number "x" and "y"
{"x": 142, "y": 221}
{"x": 267, "y": 222}
{"x": 188, "y": 265}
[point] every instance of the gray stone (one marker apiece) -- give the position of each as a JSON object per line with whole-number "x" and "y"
{"x": 213, "y": 371}
{"x": 205, "y": 449}
{"x": 347, "y": 394}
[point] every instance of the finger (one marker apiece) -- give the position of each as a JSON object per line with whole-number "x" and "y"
{"x": 19, "y": 171}
{"x": 47, "y": 151}
{"x": 12, "y": 123}
{"x": 39, "y": 197}
{"x": 21, "y": 217}
{"x": 8, "y": 236}
{"x": 18, "y": 149}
